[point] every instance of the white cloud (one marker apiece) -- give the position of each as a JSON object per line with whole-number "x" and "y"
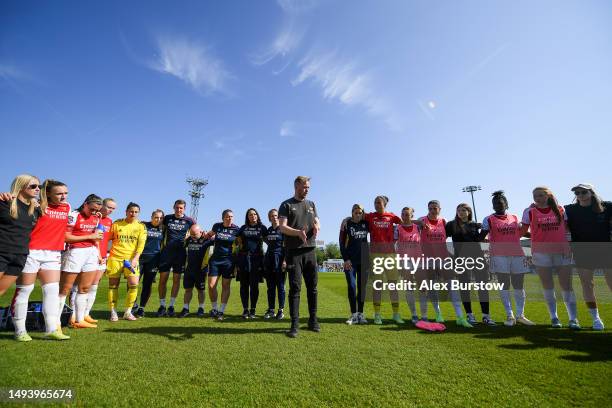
{"x": 344, "y": 82}
{"x": 291, "y": 32}
{"x": 193, "y": 63}
{"x": 287, "y": 128}
{"x": 8, "y": 71}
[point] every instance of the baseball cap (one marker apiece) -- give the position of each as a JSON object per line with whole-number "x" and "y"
{"x": 585, "y": 186}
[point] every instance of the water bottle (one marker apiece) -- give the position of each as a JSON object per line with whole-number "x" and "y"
{"x": 128, "y": 265}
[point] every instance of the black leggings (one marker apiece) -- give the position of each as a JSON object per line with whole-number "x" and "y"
{"x": 250, "y": 276}
{"x": 148, "y": 270}
{"x": 275, "y": 279}
{"x": 481, "y": 276}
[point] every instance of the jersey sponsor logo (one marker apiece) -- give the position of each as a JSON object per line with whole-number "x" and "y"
{"x": 57, "y": 215}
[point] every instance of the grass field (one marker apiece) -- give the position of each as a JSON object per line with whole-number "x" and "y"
{"x": 199, "y": 362}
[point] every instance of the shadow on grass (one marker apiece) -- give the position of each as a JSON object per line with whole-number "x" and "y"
{"x": 181, "y": 333}
{"x": 586, "y": 346}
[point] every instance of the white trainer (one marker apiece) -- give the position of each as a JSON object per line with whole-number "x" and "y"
{"x": 354, "y": 319}
{"x": 523, "y": 320}
{"x": 510, "y": 321}
{"x": 113, "y": 316}
{"x": 598, "y": 325}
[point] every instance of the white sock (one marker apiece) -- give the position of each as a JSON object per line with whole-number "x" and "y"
{"x": 73, "y": 293}
{"x": 60, "y": 306}
{"x": 202, "y": 305}
{"x": 519, "y": 300}
{"x": 50, "y": 294}
{"x": 20, "y": 307}
{"x": 551, "y": 302}
{"x": 172, "y": 301}
{"x": 214, "y": 305}
{"x": 223, "y": 307}
{"x": 162, "y": 302}
{"x": 186, "y": 306}
{"x": 505, "y": 298}
{"x": 594, "y": 313}
{"x": 91, "y": 299}
{"x": 80, "y": 306}
{"x": 569, "y": 298}
{"x": 456, "y": 300}
{"x": 423, "y": 304}
{"x": 433, "y": 296}
{"x": 411, "y": 302}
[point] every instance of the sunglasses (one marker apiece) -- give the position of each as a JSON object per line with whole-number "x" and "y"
{"x": 35, "y": 186}
{"x": 581, "y": 192}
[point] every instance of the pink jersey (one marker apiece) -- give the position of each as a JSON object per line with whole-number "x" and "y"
{"x": 50, "y": 230}
{"x": 107, "y": 223}
{"x": 80, "y": 225}
{"x": 409, "y": 240}
{"x": 433, "y": 237}
{"x": 547, "y": 232}
{"x": 504, "y": 235}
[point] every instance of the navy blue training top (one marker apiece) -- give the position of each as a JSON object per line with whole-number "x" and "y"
{"x": 196, "y": 249}
{"x": 176, "y": 229}
{"x": 351, "y": 240}
{"x": 224, "y": 239}
{"x": 154, "y": 239}
{"x": 252, "y": 238}
{"x": 274, "y": 239}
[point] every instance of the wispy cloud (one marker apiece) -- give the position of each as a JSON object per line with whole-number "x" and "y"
{"x": 344, "y": 82}
{"x": 193, "y": 63}
{"x": 289, "y": 36}
{"x": 287, "y": 128}
{"x": 8, "y": 71}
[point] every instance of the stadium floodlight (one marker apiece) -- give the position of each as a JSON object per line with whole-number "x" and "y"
{"x": 197, "y": 185}
{"x": 471, "y": 190}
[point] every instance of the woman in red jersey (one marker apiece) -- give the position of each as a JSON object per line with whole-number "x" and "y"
{"x": 44, "y": 261}
{"x": 381, "y": 226}
{"x": 83, "y": 255}
{"x": 546, "y": 221}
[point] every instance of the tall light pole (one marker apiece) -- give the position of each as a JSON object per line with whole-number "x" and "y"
{"x": 197, "y": 184}
{"x": 471, "y": 189}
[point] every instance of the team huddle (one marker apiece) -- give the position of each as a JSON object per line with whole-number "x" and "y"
{"x": 588, "y": 222}
{"x": 67, "y": 249}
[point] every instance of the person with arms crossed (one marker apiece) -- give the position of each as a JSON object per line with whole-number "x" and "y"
{"x": 149, "y": 259}
{"x": 299, "y": 223}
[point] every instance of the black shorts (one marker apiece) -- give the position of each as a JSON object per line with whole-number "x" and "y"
{"x": 172, "y": 257}
{"x": 12, "y": 264}
{"x": 195, "y": 278}
{"x": 223, "y": 267}
{"x": 593, "y": 255}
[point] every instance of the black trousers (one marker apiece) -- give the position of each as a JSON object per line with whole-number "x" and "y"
{"x": 250, "y": 276}
{"x": 302, "y": 262}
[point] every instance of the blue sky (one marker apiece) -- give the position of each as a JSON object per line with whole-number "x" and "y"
{"x": 411, "y": 99}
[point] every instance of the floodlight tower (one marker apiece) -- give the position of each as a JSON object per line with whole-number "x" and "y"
{"x": 471, "y": 190}
{"x": 197, "y": 185}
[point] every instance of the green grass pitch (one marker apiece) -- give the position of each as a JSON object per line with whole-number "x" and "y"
{"x": 167, "y": 362}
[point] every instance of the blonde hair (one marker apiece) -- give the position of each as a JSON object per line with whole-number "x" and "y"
{"x": 551, "y": 201}
{"x": 301, "y": 179}
{"x": 20, "y": 183}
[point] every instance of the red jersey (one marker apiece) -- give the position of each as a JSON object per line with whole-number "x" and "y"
{"x": 49, "y": 232}
{"x": 107, "y": 223}
{"x": 381, "y": 230}
{"x": 80, "y": 225}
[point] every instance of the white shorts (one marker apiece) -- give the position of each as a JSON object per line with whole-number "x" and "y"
{"x": 508, "y": 264}
{"x": 102, "y": 266}
{"x": 550, "y": 260}
{"x": 43, "y": 259}
{"x": 77, "y": 260}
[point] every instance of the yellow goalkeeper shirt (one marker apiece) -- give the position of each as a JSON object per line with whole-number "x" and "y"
{"x": 128, "y": 239}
